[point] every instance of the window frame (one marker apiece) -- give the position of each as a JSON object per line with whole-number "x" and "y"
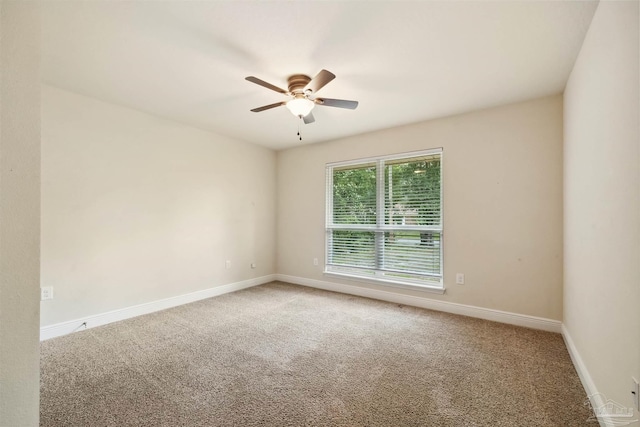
{"x": 380, "y": 228}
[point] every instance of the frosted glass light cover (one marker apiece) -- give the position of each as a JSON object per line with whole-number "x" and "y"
{"x": 300, "y": 106}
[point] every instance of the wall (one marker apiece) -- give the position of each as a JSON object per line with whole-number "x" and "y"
{"x": 136, "y": 208}
{"x": 602, "y": 201}
{"x": 19, "y": 212}
{"x": 502, "y": 180}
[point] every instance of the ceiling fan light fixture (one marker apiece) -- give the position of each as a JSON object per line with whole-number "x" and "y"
{"x": 300, "y": 106}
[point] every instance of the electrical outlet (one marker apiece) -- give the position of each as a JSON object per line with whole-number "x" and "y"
{"x": 253, "y": 265}
{"x": 315, "y": 261}
{"x": 227, "y": 264}
{"x": 635, "y": 391}
{"x": 46, "y": 292}
{"x": 460, "y": 278}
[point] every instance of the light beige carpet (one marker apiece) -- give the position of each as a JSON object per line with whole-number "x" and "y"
{"x": 285, "y": 355}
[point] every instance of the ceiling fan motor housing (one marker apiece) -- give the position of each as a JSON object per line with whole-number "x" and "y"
{"x": 297, "y": 83}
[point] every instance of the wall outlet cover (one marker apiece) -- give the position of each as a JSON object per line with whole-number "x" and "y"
{"x": 46, "y": 292}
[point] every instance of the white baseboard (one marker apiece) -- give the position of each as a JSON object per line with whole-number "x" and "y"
{"x": 585, "y": 378}
{"x": 583, "y": 373}
{"x": 51, "y": 331}
{"x": 432, "y": 304}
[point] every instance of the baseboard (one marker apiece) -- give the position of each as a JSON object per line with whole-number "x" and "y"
{"x": 70, "y": 326}
{"x": 581, "y": 368}
{"x": 432, "y": 304}
{"x": 585, "y": 378}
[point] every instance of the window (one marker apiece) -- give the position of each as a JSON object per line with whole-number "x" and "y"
{"x": 384, "y": 219}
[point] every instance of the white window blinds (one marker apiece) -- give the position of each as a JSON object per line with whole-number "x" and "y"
{"x": 384, "y": 219}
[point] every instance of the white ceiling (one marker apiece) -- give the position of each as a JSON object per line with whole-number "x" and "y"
{"x": 403, "y": 61}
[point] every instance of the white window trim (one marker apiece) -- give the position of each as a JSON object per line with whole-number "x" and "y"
{"x": 383, "y": 280}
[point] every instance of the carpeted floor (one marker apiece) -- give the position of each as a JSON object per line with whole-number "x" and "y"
{"x": 285, "y": 355}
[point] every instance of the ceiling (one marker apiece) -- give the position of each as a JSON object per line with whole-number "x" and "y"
{"x": 403, "y": 61}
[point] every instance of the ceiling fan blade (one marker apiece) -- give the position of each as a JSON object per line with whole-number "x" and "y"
{"x": 319, "y": 81}
{"x": 267, "y": 107}
{"x": 309, "y": 118}
{"x": 340, "y": 103}
{"x": 265, "y": 84}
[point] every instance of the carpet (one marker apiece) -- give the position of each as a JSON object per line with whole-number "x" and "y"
{"x": 287, "y": 355}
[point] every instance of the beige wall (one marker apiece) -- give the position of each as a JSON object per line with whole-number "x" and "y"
{"x": 19, "y": 213}
{"x": 502, "y": 177}
{"x": 136, "y": 208}
{"x": 602, "y": 201}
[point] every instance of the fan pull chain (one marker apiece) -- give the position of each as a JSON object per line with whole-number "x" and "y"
{"x": 299, "y": 136}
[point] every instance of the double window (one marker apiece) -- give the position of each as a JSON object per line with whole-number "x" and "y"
{"x": 384, "y": 219}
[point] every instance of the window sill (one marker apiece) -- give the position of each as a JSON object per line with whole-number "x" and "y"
{"x": 385, "y": 282}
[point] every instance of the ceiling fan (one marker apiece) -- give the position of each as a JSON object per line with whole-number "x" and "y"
{"x": 301, "y": 93}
